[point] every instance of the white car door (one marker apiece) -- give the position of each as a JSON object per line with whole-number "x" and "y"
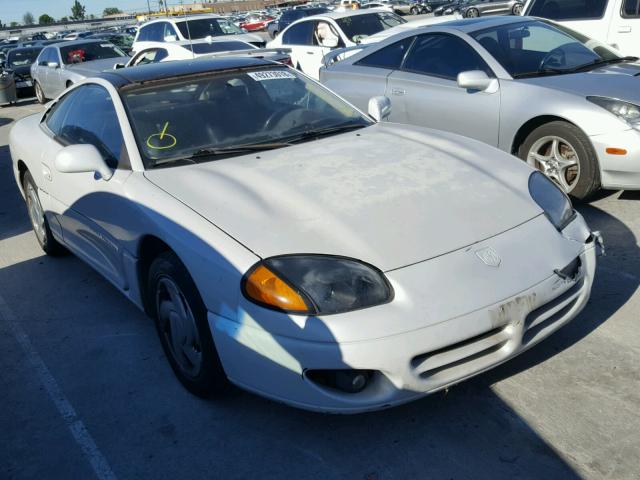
{"x": 425, "y": 92}
{"x": 88, "y": 209}
{"x": 624, "y": 32}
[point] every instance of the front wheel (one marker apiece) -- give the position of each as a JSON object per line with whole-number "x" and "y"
{"x": 39, "y": 221}
{"x": 414, "y": 11}
{"x": 563, "y": 153}
{"x": 472, "y": 13}
{"x": 181, "y": 321}
{"x": 39, "y": 93}
{"x": 517, "y": 9}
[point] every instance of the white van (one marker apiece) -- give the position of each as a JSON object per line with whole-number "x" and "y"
{"x": 615, "y": 22}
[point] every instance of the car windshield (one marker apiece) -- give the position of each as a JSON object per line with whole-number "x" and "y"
{"x": 207, "y": 27}
{"x": 19, "y": 58}
{"x": 536, "y": 48}
{"x": 122, "y": 41}
{"x": 87, "y": 52}
{"x": 199, "y": 119}
{"x": 358, "y": 27}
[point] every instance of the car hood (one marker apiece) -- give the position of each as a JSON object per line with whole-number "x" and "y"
{"x": 390, "y": 195}
{"x": 620, "y": 81}
{"x": 88, "y": 69}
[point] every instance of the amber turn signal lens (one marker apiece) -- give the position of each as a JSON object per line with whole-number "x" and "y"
{"x": 616, "y": 151}
{"x": 264, "y": 286}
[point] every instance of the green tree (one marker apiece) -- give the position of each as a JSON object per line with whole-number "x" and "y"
{"x": 64, "y": 19}
{"x": 77, "y": 11}
{"x": 92, "y": 16}
{"x": 28, "y": 19}
{"x": 111, "y": 11}
{"x": 45, "y": 19}
{"x": 13, "y": 24}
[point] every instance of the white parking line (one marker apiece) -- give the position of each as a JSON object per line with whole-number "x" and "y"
{"x": 80, "y": 434}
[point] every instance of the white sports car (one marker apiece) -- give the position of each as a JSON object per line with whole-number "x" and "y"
{"x": 302, "y": 251}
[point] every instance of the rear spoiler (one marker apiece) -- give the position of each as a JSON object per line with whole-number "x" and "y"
{"x": 252, "y": 52}
{"x": 333, "y": 56}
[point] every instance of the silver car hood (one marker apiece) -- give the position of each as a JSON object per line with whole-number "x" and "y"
{"x": 620, "y": 81}
{"x": 89, "y": 69}
{"x": 390, "y": 195}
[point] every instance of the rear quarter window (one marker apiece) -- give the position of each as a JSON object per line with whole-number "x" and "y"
{"x": 568, "y": 9}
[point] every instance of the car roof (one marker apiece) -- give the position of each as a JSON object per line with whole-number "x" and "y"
{"x": 80, "y": 41}
{"x": 181, "y": 18}
{"x": 22, "y": 49}
{"x": 180, "y": 68}
{"x": 348, "y": 13}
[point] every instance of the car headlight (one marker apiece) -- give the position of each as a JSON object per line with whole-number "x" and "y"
{"x": 553, "y": 201}
{"x": 315, "y": 284}
{"x": 629, "y": 112}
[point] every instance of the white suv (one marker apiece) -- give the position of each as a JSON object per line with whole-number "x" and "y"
{"x": 615, "y": 22}
{"x": 172, "y": 29}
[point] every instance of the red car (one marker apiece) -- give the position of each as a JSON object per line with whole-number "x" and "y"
{"x": 256, "y": 23}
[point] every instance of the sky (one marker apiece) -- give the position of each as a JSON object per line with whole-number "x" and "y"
{"x": 13, "y": 10}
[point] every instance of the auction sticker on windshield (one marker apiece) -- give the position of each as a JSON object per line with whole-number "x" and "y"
{"x": 270, "y": 75}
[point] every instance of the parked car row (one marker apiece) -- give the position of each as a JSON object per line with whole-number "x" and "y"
{"x": 344, "y": 245}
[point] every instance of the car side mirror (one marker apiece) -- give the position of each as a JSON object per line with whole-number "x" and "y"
{"x": 379, "y": 108}
{"x": 118, "y": 66}
{"x": 170, "y": 38}
{"x": 52, "y": 64}
{"x": 477, "y": 80}
{"x": 82, "y": 158}
{"x": 330, "y": 42}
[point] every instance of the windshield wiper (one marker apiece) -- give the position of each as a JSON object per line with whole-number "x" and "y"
{"x": 321, "y": 132}
{"x": 219, "y": 152}
{"x": 601, "y": 62}
{"x": 541, "y": 73}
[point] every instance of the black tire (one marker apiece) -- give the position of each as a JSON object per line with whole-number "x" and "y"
{"x": 588, "y": 181}
{"x": 472, "y": 13}
{"x": 39, "y": 93}
{"x": 210, "y": 377}
{"x": 414, "y": 11}
{"x": 45, "y": 238}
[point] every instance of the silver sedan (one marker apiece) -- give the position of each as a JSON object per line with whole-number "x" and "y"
{"x": 565, "y": 103}
{"x": 63, "y": 64}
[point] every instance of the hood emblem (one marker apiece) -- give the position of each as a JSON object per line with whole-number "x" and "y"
{"x": 489, "y": 256}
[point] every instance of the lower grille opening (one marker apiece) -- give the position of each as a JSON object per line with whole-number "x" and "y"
{"x": 464, "y": 360}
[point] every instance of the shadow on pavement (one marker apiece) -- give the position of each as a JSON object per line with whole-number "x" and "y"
{"x": 13, "y": 213}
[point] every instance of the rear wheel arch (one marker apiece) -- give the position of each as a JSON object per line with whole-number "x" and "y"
{"x": 22, "y": 169}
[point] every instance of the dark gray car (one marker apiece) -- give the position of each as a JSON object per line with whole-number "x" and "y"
{"x": 62, "y": 64}
{"x": 478, "y": 8}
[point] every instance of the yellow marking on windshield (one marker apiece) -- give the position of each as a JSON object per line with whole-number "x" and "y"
{"x": 162, "y": 140}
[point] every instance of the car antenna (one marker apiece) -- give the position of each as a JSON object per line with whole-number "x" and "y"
{"x": 186, "y": 22}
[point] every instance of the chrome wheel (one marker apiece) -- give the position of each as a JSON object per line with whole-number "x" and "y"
{"x": 36, "y": 215}
{"x": 473, "y": 13}
{"x": 557, "y": 159}
{"x": 517, "y": 9}
{"x": 178, "y": 325}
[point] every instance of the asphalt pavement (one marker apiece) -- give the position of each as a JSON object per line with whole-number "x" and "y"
{"x": 86, "y": 391}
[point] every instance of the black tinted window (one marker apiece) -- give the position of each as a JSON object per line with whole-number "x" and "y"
{"x": 567, "y": 9}
{"x": 300, "y": 34}
{"x": 631, "y": 8}
{"x": 87, "y": 52}
{"x": 93, "y": 120}
{"x": 443, "y": 56}
{"x": 45, "y": 56}
{"x": 389, "y": 57}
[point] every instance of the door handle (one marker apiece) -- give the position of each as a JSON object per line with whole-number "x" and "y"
{"x": 624, "y": 29}
{"x": 310, "y": 53}
{"x": 398, "y": 91}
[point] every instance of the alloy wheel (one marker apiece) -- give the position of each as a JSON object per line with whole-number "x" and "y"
{"x": 36, "y": 215}
{"x": 557, "y": 159}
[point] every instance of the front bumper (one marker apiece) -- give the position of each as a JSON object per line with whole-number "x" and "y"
{"x": 410, "y": 364}
{"x": 619, "y": 171}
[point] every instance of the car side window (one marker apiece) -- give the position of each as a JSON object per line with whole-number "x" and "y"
{"x": 389, "y": 57}
{"x": 56, "y": 116}
{"x": 431, "y": 55}
{"x": 43, "y": 59}
{"x": 323, "y": 33}
{"x": 299, "y": 34}
{"x": 631, "y": 9}
{"x": 152, "y": 55}
{"x": 143, "y": 34}
{"x": 93, "y": 120}
{"x": 168, "y": 31}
